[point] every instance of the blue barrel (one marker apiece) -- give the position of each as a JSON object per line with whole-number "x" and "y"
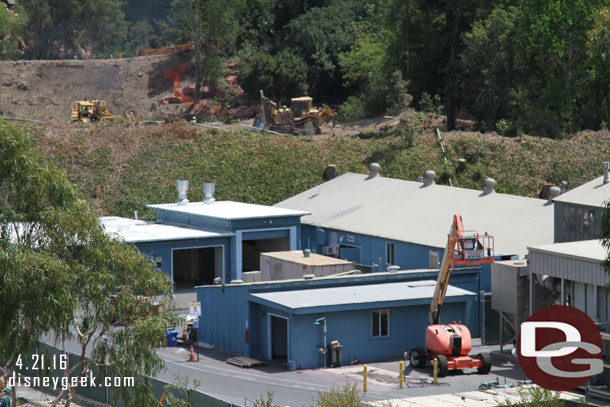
{"x": 172, "y": 337}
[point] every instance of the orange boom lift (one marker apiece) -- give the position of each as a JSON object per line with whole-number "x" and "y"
{"x": 451, "y": 343}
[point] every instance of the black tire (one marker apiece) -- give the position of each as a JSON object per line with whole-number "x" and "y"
{"x": 443, "y": 365}
{"x": 486, "y": 358}
{"x": 418, "y": 357}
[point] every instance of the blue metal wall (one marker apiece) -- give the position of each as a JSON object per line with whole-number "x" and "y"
{"x": 353, "y": 330}
{"x": 408, "y": 256}
{"x": 226, "y": 310}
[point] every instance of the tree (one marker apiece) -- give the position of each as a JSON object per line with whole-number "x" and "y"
{"x": 490, "y": 76}
{"x": 598, "y": 47}
{"x": 58, "y": 269}
{"x": 280, "y": 76}
{"x": 10, "y": 27}
{"x": 552, "y": 49}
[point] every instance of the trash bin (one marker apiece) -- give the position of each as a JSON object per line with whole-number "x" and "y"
{"x": 172, "y": 337}
{"x": 338, "y": 355}
{"x": 336, "y": 352}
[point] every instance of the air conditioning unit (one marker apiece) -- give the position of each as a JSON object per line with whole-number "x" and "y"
{"x": 329, "y": 250}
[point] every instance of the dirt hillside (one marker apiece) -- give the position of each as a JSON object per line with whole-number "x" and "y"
{"x": 45, "y": 89}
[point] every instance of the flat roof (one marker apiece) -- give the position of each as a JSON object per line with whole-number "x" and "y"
{"x": 314, "y": 259}
{"x": 592, "y": 193}
{"x": 590, "y": 250}
{"x": 357, "y": 296}
{"x": 139, "y": 231}
{"x": 407, "y": 211}
{"x": 229, "y": 210}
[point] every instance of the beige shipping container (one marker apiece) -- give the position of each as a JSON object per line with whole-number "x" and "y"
{"x": 295, "y": 264}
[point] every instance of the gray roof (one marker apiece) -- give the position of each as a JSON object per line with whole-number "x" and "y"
{"x": 139, "y": 231}
{"x": 576, "y": 261}
{"x": 353, "y": 296}
{"x": 589, "y": 250}
{"x": 593, "y": 193}
{"x": 229, "y": 210}
{"x": 409, "y": 212}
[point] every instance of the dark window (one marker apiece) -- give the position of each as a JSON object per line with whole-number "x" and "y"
{"x": 389, "y": 253}
{"x": 380, "y": 323}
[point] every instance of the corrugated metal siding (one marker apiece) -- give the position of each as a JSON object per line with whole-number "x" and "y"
{"x": 275, "y": 269}
{"x": 224, "y": 313}
{"x": 353, "y": 330}
{"x": 568, "y": 268}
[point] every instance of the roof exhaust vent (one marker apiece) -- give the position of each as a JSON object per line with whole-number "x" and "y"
{"x": 306, "y": 253}
{"x": 208, "y": 192}
{"x": 606, "y": 165}
{"x": 554, "y": 192}
{"x": 488, "y": 186}
{"x": 429, "y": 176}
{"x": 374, "y": 170}
{"x": 182, "y": 185}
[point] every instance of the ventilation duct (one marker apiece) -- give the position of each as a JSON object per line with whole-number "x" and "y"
{"x": 182, "y": 186}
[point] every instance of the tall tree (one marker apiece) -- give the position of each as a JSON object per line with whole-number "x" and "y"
{"x": 58, "y": 269}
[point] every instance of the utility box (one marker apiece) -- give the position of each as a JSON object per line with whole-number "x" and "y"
{"x": 509, "y": 286}
{"x": 290, "y": 265}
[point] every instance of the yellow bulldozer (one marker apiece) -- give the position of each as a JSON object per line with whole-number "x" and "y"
{"x": 301, "y": 118}
{"x": 93, "y": 111}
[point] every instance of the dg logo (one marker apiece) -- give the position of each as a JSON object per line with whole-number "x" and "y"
{"x": 560, "y": 348}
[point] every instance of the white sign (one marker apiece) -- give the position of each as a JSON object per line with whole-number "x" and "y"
{"x": 195, "y": 308}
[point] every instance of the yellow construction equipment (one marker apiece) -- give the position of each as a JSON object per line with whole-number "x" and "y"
{"x": 302, "y": 117}
{"x": 93, "y": 111}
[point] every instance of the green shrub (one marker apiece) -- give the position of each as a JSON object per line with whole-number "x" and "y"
{"x": 345, "y": 396}
{"x": 353, "y": 109}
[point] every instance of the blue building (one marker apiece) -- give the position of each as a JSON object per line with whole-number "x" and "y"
{"x": 379, "y": 222}
{"x": 375, "y": 316}
{"x": 195, "y": 242}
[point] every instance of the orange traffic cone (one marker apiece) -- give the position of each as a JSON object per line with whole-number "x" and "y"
{"x": 192, "y": 357}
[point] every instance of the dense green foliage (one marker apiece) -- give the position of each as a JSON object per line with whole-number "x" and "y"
{"x": 58, "y": 268}
{"x": 538, "y": 67}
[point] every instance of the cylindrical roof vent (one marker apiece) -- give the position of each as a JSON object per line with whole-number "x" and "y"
{"x": 606, "y": 165}
{"x": 208, "y": 192}
{"x": 429, "y": 176}
{"x": 182, "y": 185}
{"x": 306, "y": 253}
{"x": 374, "y": 170}
{"x": 488, "y": 186}
{"x": 554, "y": 192}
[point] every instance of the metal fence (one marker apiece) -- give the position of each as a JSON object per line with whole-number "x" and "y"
{"x": 108, "y": 395}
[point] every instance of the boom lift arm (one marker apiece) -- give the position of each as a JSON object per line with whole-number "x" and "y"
{"x": 463, "y": 248}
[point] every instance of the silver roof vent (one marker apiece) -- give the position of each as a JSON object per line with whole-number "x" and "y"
{"x": 606, "y": 164}
{"x": 306, "y": 253}
{"x": 182, "y": 185}
{"x": 429, "y": 176}
{"x": 208, "y": 192}
{"x": 488, "y": 186}
{"x": 374, "y": 170}
{"x": 554, "y": 192}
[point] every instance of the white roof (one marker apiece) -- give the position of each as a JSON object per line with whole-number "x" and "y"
{"x": 139, "y": 231}
{"x": 409, "y": 212}
{"x": 357, "y": 294}
{"x": 314, "y": 259}
{"x": 591, "y": 250}
{"x": 229, "y": 210}
{"x": 593, "y": 193}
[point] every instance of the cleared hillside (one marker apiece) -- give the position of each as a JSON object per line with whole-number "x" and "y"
{"x": 122, "y": 167}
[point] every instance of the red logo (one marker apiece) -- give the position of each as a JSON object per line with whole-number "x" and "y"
{"x": 559, "y": 348}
